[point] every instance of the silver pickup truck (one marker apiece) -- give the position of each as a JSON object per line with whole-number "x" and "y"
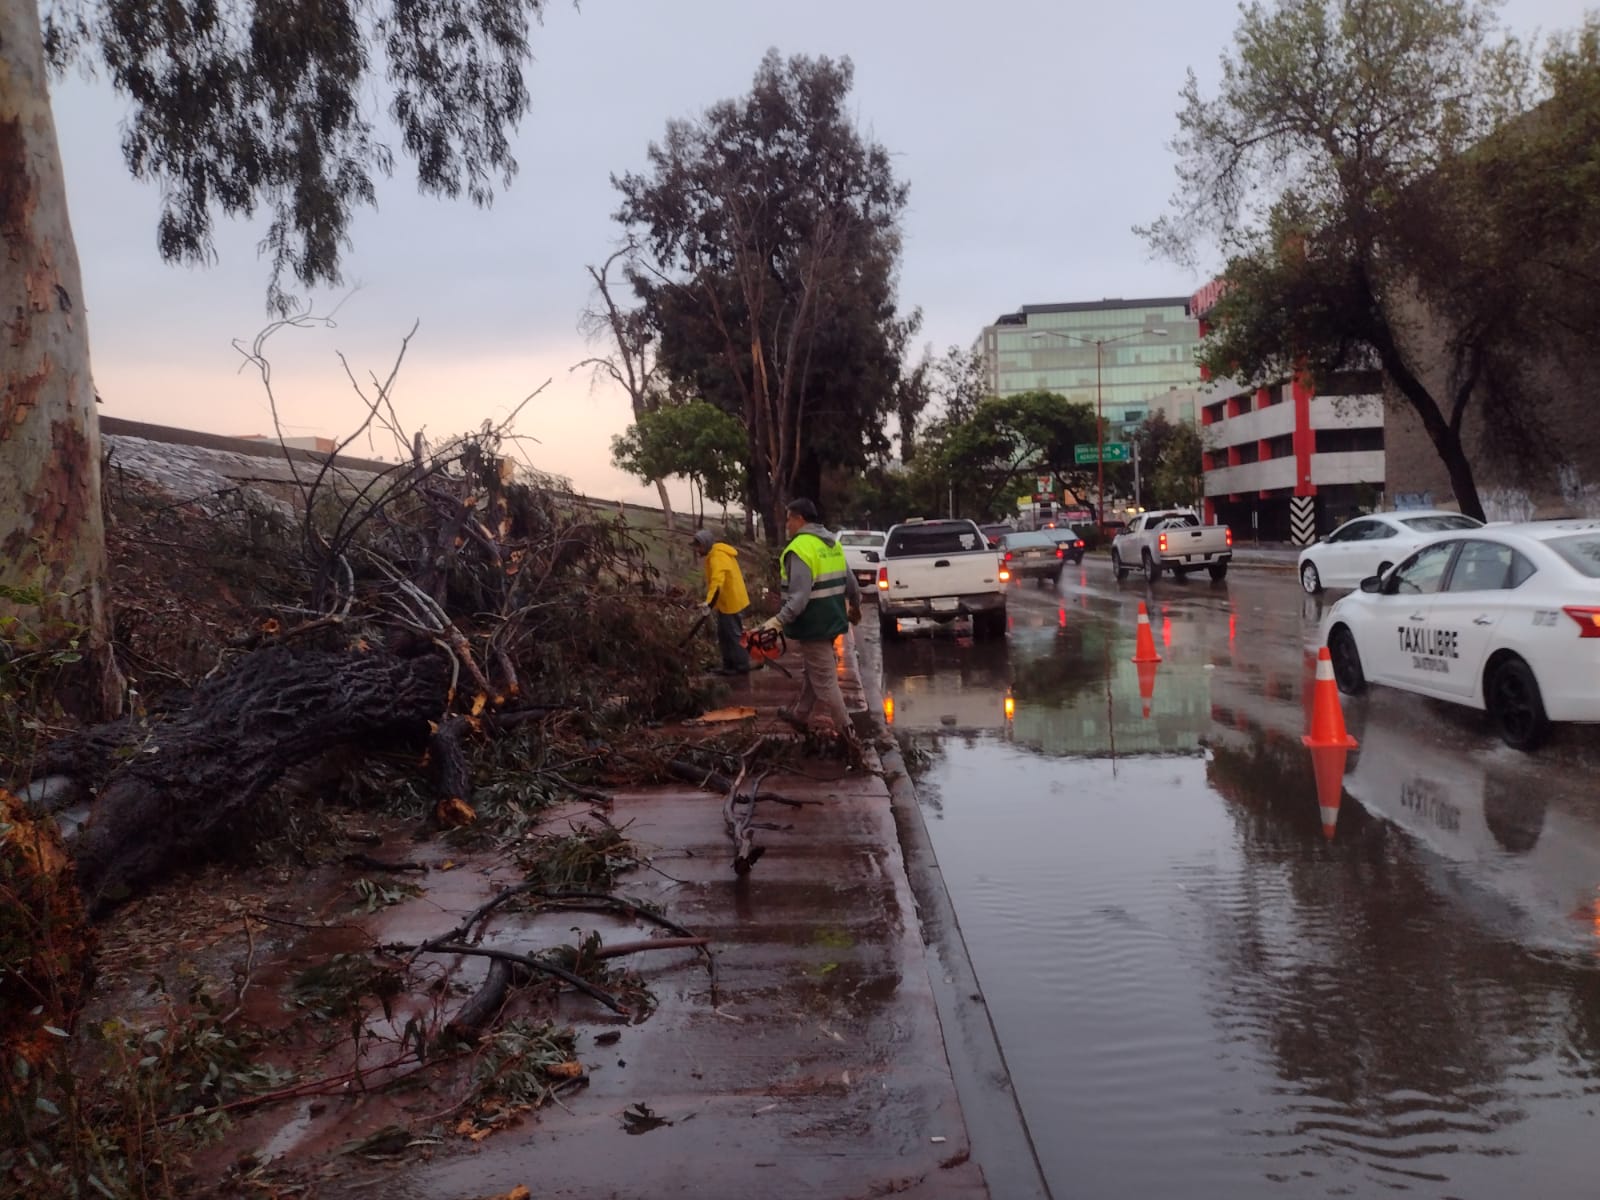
{"x": 1172, "y": 539}
{"x": 938, "y": 571}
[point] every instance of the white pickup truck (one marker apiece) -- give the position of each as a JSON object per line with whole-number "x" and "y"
{"x": 938, "y": 571}
{"x": 1172, "y": 539}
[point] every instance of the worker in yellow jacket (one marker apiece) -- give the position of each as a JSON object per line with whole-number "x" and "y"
{"x": 726, "y": 599}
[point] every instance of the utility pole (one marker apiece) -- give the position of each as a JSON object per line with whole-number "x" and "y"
{"x": 1137, "y": 503}
{"x": 1099, "y": 442}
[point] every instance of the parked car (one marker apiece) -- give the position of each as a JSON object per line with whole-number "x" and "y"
{"x": 1032, "y": 556}
{"x": 863, "y": 551}
{"x": 938, "y": 571}
{"x": 1171, "y": 539}
{"x": 1493, "y": 618}
{"x": 1371, "y": 545}
{"x": 1067, "y": 537}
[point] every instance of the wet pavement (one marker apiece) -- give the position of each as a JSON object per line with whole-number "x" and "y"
{"x": 1198, "y": 990}
{"x": 818, "y": 1068}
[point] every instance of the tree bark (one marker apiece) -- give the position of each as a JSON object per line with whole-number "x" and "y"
{"x": 666, "y": 503}
{"x": 1444, "y": 435}
{"x": 182, "y": 785}
{"x": 52, "y": 535}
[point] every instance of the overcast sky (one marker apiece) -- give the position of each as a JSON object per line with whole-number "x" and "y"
{"x": 1033, "y": 135}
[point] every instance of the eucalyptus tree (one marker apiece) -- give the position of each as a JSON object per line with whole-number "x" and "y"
{"x": 235, "y": 108}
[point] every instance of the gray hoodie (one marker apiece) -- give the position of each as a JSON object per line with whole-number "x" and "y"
{"x": 798, "y": 594}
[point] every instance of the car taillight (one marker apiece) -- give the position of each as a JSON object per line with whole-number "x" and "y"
{"x": 1161, "y": 543}
{"x": 1229, "y": 532}
{"x": 1005, "y": 575}
{"x": 883, "y": 579}
{"x": 1006, "y": 557}
{"x": 1061, "y": 551}
{"x": 1078, "y": 545}
{"x": 1588, "y": 619}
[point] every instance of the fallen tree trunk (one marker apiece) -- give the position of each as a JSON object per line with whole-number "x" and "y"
{"x": 183, "y": 783}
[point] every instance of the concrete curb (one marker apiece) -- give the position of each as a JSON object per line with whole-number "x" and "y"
{"x": 1001, "y": 1140}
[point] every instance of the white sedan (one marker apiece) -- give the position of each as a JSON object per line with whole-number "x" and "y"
{"x": 1370, "y": 545}
{"x": 1493, "y": 618}
{"x": 863, "y": 550}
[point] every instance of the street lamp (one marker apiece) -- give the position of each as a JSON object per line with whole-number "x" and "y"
{"x": 1099, "y": 420}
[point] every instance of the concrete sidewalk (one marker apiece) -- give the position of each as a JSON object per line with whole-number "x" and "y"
{"x": 820, "y": 1071}
{"x": 1267, "y": 556}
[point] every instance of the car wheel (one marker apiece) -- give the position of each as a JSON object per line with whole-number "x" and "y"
{"x": 1309, "y": 579}
{"x": 1511, "y": 694}
{"x": 1347, "y": 672}
{"x": 1219, "y": 572}
{"x": 1152, "y": 569}
{"x": 1116, "y": 565}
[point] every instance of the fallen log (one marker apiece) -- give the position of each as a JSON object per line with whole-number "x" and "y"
{"x": 179, "y": 786}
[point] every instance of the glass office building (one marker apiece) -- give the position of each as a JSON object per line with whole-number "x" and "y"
{"x": 1146, "y": 355}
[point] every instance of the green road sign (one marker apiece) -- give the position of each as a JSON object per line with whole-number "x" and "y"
{"x": 1114, "y": 452}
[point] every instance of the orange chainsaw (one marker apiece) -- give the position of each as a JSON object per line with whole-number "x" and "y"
{"x": 765, "y": 646}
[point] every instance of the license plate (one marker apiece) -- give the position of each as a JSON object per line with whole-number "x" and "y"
{"x": 944, "y": 604}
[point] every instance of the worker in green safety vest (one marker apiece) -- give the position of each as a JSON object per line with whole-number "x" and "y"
{"x": 820, "y": 601}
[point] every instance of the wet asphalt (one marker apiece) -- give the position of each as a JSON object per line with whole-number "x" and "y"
{"x": 1206, "y": 983}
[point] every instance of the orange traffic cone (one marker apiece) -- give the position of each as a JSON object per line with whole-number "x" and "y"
{"x": 1328, "y": 763}
{"x": 1144, "y": 648}
{"x": 1327, "y": 718}
{"x": 1147, "y": 683}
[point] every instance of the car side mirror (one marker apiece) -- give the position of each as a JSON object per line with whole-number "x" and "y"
{"x": 871, "y": 556}
{"x": 1372, "y": 584}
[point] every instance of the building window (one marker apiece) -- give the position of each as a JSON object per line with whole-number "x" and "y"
{"x": 1348, "y": 441}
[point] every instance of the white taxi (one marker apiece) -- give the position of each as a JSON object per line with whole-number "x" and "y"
{"x": 1493, "y": 618}
{"x": 1370, "y": 545}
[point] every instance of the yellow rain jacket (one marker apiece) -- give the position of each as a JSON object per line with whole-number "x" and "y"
{"x": 724, "y": 580}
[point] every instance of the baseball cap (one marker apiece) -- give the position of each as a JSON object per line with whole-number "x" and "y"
{"x": 804, "y": 509}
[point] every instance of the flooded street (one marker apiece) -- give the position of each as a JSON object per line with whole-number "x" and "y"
{"x": 1203, "y": 984}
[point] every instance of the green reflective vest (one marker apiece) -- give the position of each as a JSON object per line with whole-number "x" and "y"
{"x": 824, "y": 617}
